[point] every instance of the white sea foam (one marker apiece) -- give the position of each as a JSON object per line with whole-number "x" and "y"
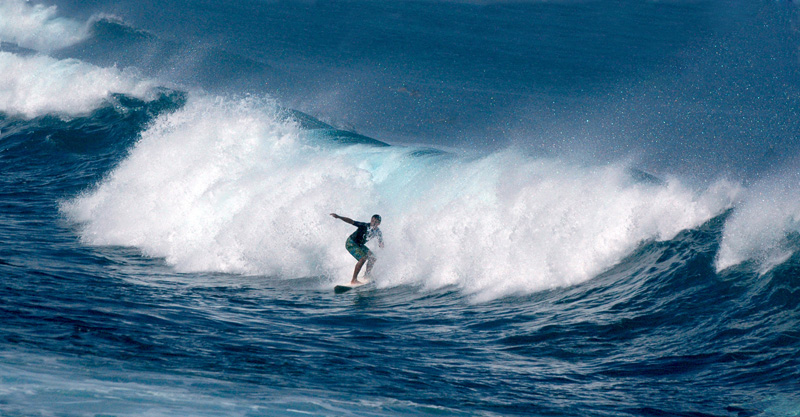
{"x": 35, "y": 85}
{"x": 225, "y": 185}
{"x": 759, "y": 229}
{"x": 37, "y": 27}
{"x": 507, "y": 224}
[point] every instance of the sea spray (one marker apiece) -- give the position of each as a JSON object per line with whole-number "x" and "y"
{"x": 512, "y": 224}
{"x": 37, "y": 85}
{"x": 764, "y": 226}
{"x": 38, "y": 27}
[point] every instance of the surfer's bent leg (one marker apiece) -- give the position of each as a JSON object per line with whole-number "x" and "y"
{"x": 361, "y": 253}
{"x": 370, "y": 263}
{"x": 359, "y": 264}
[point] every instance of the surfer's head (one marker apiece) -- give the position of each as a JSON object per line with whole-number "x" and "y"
{"x": 375, "y": 221}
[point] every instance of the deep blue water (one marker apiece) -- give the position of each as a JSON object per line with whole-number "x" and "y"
{"x": 590, "y": 209}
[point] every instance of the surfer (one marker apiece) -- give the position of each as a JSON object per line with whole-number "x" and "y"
{"x": 356, "y": 243}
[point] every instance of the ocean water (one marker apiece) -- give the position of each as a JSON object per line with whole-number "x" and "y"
{"x": 590, "y": 208}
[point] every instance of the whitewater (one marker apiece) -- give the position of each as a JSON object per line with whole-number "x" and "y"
{"x": 167, "y": 247}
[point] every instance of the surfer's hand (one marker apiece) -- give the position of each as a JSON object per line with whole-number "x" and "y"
{"x": 335, "y": 216}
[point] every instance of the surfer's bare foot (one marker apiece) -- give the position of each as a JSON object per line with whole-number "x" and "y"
{"x": 355, "y": 281}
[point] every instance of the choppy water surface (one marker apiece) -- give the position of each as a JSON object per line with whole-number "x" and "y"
{"x": 589, "y": 209}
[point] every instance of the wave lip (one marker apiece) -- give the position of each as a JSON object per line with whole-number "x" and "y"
{"x": 33, "y": 86}
{"x": 765, "y": 227}
{"x": 38, "y": 27}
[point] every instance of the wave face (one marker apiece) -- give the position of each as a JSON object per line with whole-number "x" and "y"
{"x": 588, "y": 209}
{"x": 230, "y": 186}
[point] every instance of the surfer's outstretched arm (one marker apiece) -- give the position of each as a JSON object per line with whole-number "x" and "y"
{"x": 344, "y": 219}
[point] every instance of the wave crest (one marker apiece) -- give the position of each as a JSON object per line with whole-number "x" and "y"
{"x": 230, "y": 185}
{"x": 38, "y": 27}
{"x": 36, "y": 85}
{"x": 765, "y": 226}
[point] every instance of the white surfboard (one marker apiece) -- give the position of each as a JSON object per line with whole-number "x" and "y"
{"x": 345, "y": 288}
